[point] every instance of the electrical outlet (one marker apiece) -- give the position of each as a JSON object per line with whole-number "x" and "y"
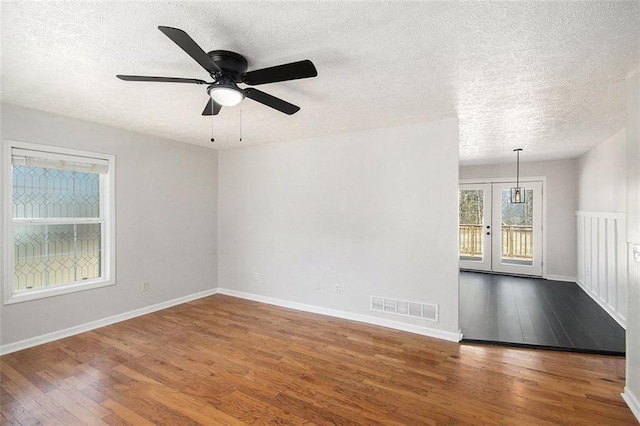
{"x": 145, "y": 286}
{"x": 317, "y": 285}
{"x": 636, "y": 253}
{"x": 337, "y": 288}
{"x": 256, "y": 276}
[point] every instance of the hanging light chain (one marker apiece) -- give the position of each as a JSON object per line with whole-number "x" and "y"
{"x": 518, "y": 168}
{"x": 212, "y": 107}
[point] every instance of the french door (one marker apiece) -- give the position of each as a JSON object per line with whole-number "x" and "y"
{"x": 475, "y": 227}
{"x": 496, "y": 235}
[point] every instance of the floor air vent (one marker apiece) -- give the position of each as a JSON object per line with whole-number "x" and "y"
{"x": 402, "y": 307}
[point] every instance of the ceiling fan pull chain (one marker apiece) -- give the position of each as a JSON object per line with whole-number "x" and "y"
{"x": 240, "y": 123}
{"x": 212, "y": 117}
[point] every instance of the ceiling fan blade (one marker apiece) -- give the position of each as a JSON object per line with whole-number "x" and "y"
{"x": 271, "y": 101}
{"x": 186, "y": 43}
{"x": 160, "y": 79}
{"x": 212, "y": 108}
{"x": 292, "y": 71}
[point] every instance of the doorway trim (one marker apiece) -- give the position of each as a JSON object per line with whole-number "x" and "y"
{"x": 542, "y": 179}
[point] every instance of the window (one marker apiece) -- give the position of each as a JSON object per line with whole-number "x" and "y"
{"x": 60, "y": 221}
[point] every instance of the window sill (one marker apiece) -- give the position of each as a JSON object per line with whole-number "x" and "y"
{"x": 25, "y": 296}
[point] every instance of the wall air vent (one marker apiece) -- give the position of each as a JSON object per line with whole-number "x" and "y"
{"x": 402, "y": 307}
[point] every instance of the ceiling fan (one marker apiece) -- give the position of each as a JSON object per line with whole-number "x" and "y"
{"x": 227, "y": 69}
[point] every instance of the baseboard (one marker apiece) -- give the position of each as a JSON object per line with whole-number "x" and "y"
{"x": 61, "y": 334}
{"x": 603, "y": 305}
{"x": 396, "y": 325}
{"x": 632, "y": 401}
{"x": 541, "y": 347}
{"x": 564, "y": 278}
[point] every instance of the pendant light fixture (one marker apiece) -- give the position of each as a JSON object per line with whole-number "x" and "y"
{"x": 517, "y": 193}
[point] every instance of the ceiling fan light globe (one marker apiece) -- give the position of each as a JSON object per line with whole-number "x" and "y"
{"x": 226, "y": 96}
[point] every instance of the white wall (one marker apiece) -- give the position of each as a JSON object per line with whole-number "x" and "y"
{"x": 166, "y": 203}
{"x": 632, "y": 388}
{"x": 602, "y": 176}
{"x": 562, "y": 202}
{"x": 374, "y": 211}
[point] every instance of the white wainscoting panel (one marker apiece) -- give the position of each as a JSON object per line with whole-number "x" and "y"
{"x": 602, "y": 260}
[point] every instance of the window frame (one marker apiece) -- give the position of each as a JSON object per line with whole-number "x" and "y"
{"x": 107, "y": 220}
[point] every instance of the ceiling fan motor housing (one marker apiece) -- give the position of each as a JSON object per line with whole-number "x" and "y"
{"x": 232, "y": 64}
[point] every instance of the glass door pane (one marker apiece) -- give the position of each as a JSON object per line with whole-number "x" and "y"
{"x": 471, "y": 219}
{"x": 517, "y": 230}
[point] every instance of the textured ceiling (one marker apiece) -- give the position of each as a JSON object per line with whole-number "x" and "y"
{"x": 544, "y": 76}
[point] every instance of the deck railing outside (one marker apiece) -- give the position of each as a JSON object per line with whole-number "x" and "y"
{"x": 516, "y": 241}
{"x": 470, "y": 240}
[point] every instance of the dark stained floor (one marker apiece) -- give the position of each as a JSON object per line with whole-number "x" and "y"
{"x": 520, "y": 311}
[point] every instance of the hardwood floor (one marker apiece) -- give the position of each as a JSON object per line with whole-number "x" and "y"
{"x": 532, "y": 311}
{"x": 222, "y": 360}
